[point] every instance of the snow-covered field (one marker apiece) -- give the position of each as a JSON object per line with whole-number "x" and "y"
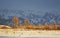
{"x": 17, "y": 33}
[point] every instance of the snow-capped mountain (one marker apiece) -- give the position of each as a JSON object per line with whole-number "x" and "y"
{"x": 35, "y": 18}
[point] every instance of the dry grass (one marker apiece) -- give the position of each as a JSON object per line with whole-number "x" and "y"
{"x": 41, "y": 27}
{"x": 31, "y": 27}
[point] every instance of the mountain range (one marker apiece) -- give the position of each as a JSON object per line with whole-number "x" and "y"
{"x": 35, "y": 17}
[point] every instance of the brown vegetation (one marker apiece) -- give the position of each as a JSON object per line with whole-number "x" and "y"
{"x": 16, "y": 22}
{"x": 27, "y": 25}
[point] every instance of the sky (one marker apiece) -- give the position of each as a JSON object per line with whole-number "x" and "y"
{"x": 45, "y": 5}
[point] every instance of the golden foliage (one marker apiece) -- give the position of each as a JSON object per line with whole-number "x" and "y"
{"x": 27, "y": 25}
{"x": 26, "y": 22}
{"x": 16, "y": 22}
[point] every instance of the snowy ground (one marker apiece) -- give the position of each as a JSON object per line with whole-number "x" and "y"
{"x": 29, "y": 33}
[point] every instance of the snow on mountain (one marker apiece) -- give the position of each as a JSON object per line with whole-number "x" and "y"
{"x": 36, "y": 18}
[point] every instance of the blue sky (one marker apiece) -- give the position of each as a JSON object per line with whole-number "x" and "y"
{"x": 45, "y": 5}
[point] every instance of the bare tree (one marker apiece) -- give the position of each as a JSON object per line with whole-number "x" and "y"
{"x": 46, "y": 26}
{"x": 54, "y": 25}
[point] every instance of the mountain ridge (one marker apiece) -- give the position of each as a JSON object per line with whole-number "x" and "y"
{"x": 35, "y": 19}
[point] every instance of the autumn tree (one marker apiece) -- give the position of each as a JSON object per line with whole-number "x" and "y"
{"x": 16, "y": 22}
{"x": 27, "y": 22}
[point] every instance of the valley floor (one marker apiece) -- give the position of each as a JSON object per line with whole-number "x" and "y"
{"x": 29, "y": 33}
